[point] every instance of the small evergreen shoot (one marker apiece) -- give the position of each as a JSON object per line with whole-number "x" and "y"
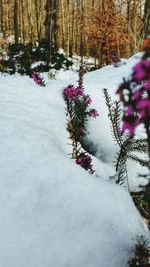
{"x": 142, "y": 253}
{"x": 128, "y": 145}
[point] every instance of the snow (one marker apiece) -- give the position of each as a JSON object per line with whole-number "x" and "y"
{"x": 38, "y": 63}
{"x": 99, "y": 129}
{"x": 53, "y": 213}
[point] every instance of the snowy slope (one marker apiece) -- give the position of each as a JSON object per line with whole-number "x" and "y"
{"x": 99, "y": 129}
{"x": 52, "y": 212}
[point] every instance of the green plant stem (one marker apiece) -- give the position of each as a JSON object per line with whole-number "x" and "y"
{"x": 148, "y": 140}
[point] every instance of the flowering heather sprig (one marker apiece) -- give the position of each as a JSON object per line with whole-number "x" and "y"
{"x": 88, "y": 100}
{"x": 135, "y": 96}
{"x": 37, "y": 79}
{"x": 75, "y": 95}
{"x": 115, "y": 60}
{"x": 136, "y": 99}
{"x": 130, "y": 126}
{"x": 71, "y": 92}
{"x": 78, "y": 113}
{"x": 85, "y": 161}
{"x": 141, "y": 71}
{"x": 94, "y": 113}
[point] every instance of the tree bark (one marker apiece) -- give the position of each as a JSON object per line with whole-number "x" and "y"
{"x": 147, "y": 18}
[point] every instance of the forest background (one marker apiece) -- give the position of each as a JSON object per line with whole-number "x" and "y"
{"x": 96, "y": 28}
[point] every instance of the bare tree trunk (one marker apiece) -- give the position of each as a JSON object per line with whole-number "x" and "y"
{"x": 51, "y": 27}
{"x": 147, "y": 18}
{"x": 1, "y": 18}
{"x": 16, "y": 22}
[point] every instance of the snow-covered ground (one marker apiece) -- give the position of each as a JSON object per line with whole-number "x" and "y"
{"x": 52, "y": 212}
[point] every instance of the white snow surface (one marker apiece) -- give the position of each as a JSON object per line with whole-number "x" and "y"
{"x": 52, "y": 212}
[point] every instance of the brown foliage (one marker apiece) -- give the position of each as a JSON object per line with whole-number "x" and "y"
{"x": 83, "y": 27}
{"x": 108, "y": 33}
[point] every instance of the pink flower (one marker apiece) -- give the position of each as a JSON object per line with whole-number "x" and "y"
{"x": 79, "y": 91}
{"x": 85, "y": 161}
{"x": 137, "y": 95}
{"x": 147, "y": 85}
{"x": 70, "y": 92}
{"x": 115, "y": 59}
{"x": 73, "y": 92}
{"x": 130, "y": 126}
{"x": 144, "y": 108}
{"x": 137, "y": 104}
{"x": 144, "y": 104}
{"x": 88, "y": 101}
{"x": 37, "y": 79}
{"x": 94, "y": 113}
{"x": 129, "y": 111}
{"x": 79, "y": 160}
{"x": 141, "y": 71}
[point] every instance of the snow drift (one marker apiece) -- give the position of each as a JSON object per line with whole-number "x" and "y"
{"x": 52, "y": 212}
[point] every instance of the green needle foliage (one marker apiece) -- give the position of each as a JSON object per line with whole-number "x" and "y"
{"x": 128, "y": 146}
{"x": 142, "y": 253}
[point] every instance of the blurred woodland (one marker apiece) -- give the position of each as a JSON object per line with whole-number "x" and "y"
{"x": 94, "y": 28}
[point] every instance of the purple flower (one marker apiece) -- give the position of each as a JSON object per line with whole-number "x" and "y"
{"x": 70, "y": 92}
{"x": 136, "y": 102}
{"x": 115, "y": 59}
{"x": 85, "y": 161}
{"x": 73, "y": 92}
{"x": 94, "y": 113}
{"x": 144, "y": 108}
{"x": 137, "y": 95}
{"x": 130, "y": 126}
{"x": 129, "y": 110}
{"x": 88, "y": 101}
{"x": 79, "y": 91}
{"x": 147, "y": 85}
{"x": 144, "y": 103}
{"x": 141, "y": 71}
{"x": 37, "y": 79}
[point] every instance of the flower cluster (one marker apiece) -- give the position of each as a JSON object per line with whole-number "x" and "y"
{"x": 135, "y": 96}
{"x": 78, "y": 113}
{"x": 75, "y": 97}
{"x": 115, "y": 60}
{"x": 71, "y": 92}
{"x": 37, "y": 79}
{"x": 85, "y": 161}
{"x": 142, "y": 71}
{"x": 78, "y": 110}
{"x": 94, "y": 113}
